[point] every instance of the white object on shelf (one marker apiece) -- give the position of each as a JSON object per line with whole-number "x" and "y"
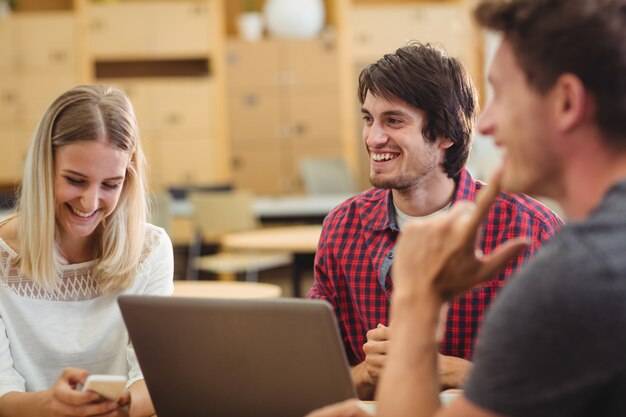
{"x": 294, "y": 18}
{"x": 250, "y": 25}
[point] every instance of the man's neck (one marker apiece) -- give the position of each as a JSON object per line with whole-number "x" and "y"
{"x": 588, "y": 178}
{"x": 432, "y": 194}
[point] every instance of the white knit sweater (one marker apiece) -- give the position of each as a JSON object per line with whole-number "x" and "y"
{"x": 41, "y": 332}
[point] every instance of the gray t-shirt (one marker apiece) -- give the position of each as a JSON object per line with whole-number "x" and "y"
{"x": 554, "y": 343}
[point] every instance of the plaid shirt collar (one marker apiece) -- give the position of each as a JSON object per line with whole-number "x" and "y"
{"x": 372, "y": 219}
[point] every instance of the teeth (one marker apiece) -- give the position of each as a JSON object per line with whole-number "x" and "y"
{"x": 382, "y": 156}
{"x": 81, "y": 213}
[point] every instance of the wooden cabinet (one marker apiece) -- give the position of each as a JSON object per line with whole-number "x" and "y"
{"x": 168, "y": 57}
{"x": 166, "y": 54}
{"x": 423, "y": 22}
{"x": 34, "y": 69}
{"x": 283, "y": 106}
{"x": 149, "y": 29}
{"x": 177, "y": 130}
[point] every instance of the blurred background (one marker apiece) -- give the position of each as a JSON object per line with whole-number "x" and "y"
{"x": 254, "y": 95}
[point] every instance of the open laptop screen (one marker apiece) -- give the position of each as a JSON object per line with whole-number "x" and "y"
{"x": 216, "y": 357}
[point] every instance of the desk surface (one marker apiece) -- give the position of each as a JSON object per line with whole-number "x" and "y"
{"x": 284, "y": 207}
{"x": 296, "y": 239}
{"x": 223, "y": 289}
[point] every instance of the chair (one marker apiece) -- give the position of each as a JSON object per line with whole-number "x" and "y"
{"x": 160, "y": 210}
{"x": 329, "y": 175}
{"x": 216, "y": 214}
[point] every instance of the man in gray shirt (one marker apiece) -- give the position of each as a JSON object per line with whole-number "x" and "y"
{"x": 553, "y": 343}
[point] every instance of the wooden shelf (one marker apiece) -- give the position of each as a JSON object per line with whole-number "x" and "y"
{"x": 152, "y": 68}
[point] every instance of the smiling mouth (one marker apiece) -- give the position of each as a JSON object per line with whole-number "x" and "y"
{"x": 82, "y": 214}
{"x": 380, "y": 157}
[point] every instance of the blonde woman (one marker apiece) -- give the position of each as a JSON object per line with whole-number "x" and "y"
{"x": 78, "y": 240}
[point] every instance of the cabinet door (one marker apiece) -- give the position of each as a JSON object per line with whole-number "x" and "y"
{"x": 8, "y": 100}
{"x": 181, "y": 28}
{"x": 255, "y": 118}
{"x": 313, "y": 116}
{"x": 7, "y": 45}
{"x": 140, "y": 96}
{"x": 120, "y": 30}
{"x": 9, "y": 156}
{"x": 311, "y": 63}
{"x": 47, "y": 42}
{"x": 253, "y": 66}
{"x": 259, "y": 169}
{"x": 35, "y": 94}
{"x": 23, "y": 138}
{"x": 188, "y": 157}
{"x": 182, "y": 103}
{"x": 422, "y": 22}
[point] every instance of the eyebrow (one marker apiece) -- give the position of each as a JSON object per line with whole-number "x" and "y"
{"x": 78, "y": 174}
{"x": 388, "y": 112}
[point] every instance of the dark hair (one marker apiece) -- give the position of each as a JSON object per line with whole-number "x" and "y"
{"x": 428, "y": 79}
{"x": 586, "y": 38}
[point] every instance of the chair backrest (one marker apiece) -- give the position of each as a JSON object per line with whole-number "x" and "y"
{"x": 326, "y": 176}
{"x": 160, "y": 210}
{"x": 216, "y": 213}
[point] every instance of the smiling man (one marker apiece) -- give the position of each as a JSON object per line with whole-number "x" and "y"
{"x": 419, "y": 108}
{"x": 553, "y": 342}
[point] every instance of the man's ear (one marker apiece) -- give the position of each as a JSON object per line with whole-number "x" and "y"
{"x": 571, "y": 102}
{"x": 444, "y": 143}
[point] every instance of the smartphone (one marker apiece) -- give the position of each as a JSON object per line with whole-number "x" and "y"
{"x": 110, "y": 387}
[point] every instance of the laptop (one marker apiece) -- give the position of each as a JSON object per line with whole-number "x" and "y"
{"x": 214, "y": 357}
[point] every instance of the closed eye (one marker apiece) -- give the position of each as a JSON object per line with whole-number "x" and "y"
{"x": 111, "y": 186}
{"x": 74, "y": 181}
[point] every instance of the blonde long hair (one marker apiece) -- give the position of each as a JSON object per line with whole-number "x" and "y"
{"x": 84, "y": 113}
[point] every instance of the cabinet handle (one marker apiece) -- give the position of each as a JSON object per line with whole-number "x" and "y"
{"x": 8, "y": 97}
{"x": 58, "y": 56}
{"x": 362, "y": 38}
{"x": 236, "y": 163}
{"x": 198, "y": 9}
{"x": 419, "y": 16}
{"x": 232, "y": 58}
{"x": 251, "y": 100}
{"x": 96, "y": 24}
{"x": 173, "y": 119}
{"x": 299, "y": 129}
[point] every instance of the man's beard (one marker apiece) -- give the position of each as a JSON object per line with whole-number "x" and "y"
{"x": 397, "y": 183}
{"x": 404, "y": 181}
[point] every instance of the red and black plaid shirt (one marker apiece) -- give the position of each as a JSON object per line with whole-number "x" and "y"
{"x": 356, "y": 249}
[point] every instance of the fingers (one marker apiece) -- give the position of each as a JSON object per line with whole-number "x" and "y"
{"x": 67, "y": 400}
{"x": 64, "y": 389}
{"x": 485, "y": 199}
{"x": 124, "y": 399}
{"x": 379, "y": 333}
{"x": 497, "y": 259}
{"x": 106, "y": 408}
{"x": 375, "y": 350}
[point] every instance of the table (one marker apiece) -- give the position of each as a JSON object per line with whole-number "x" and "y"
{"x": 300, "y": 240}
{"x": 222, "y": 289}
{"x": 276, "y": 209}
